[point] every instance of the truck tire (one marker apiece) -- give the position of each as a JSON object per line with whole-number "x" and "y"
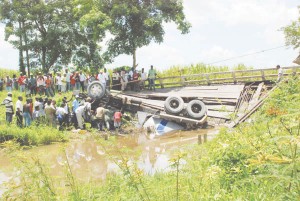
{"x": 96, "y": 90}
{"x": 174, "y": 104}
{"x": 196, "y": 109}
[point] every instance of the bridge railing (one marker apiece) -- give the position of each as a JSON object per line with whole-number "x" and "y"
{"x": 237, "y": 76}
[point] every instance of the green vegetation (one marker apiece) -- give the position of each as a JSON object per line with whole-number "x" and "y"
{"x": 258, "y": 160}
{"x": 52, "y": 34}
{"x": 292, "y": 33}
{"x": 35, "y": 134}
{"x": 4, "y": 72}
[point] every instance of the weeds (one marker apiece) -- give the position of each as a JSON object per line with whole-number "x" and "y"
{"x": 256, "y": 161}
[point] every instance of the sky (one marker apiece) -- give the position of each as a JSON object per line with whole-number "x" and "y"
{"x": 221, "y": 29}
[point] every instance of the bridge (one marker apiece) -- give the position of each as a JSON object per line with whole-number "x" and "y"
{"x": 230, "y": 97}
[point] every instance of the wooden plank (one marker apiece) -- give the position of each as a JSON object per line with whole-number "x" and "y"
{"x": 256, "y": 95}
{"x": 220, "y": 115}
{"x": 252, "y": 110}
{"x": 225, "y": 108}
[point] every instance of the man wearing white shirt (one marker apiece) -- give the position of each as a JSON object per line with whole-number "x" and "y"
{"x": 101, "y": 78}
{"x": 60, "y": 114}
{"x": 82, "y": 79}
{"x": 143, "y": 78}
{"x": 63, "y": 83}
{"x": 86, "y": 107}
{"x": 130, "y": 78}
{"x": 19, "y": 111}
{"x": 58, "y": 82}
{"x": 124, "y": 80}
{"x": 107, "y": 78}
{"x": 68, "y": 79}
{"x": 280, "y": 73}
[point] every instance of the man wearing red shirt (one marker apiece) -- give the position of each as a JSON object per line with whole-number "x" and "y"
{"x": 136, "y": 82}
{"x": 117, "y": 119}
{"x": 73, "y": 81}
{"x": 22, "y": 81}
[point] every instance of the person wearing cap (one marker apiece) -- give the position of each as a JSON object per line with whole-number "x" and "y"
{"x": 19, "y": 111}
{"x": 75, "y": 103}
{"x": 9, "y": 107}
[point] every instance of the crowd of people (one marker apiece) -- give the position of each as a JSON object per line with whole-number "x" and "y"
{"x": 46, "y": 111}
{"x": 49, "y": 84}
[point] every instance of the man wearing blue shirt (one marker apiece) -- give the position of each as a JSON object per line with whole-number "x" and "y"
{"x": 75, "y": 103}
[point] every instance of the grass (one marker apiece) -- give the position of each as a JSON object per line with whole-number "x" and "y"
{"x": 255, "y": 161}
{"x": 33, "y": 135}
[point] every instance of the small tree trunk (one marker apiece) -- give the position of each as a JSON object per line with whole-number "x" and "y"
{"x": 27, "y": 55}
{"x": 21, "y": 57}
{"x": 134, "y": 59}
{"x": 44, "y": 60}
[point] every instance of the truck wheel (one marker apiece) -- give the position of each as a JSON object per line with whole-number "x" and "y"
{"x": 96, "y": 90}
{"x": 196, "y": 109}
{"x": 174, "y": 104}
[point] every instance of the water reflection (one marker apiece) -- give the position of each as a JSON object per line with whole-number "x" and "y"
{"x": 89, "y": 161}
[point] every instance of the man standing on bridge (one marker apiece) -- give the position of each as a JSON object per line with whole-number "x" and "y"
{"x": 280, "y": 73}
{"x": 152, "y": 76}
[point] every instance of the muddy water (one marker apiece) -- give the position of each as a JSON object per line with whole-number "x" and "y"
{"x": 90, "y": 161}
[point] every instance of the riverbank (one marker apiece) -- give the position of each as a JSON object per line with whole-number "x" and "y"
{"x": 258, "y": 160}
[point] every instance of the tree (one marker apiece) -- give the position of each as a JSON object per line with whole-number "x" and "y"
{"x": 12, "y": 13}
{"x": 94, "y": 23}
{"x": 136, "y": 23}
{"x": 48, "y": 31}
{"x": 292, "y": 33}
{"x": 55, "y": 32}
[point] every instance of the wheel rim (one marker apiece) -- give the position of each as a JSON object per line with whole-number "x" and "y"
{"x": 96, "y": 90}
{"x": 196, "y": 108}
{"x": 174, "y": 104}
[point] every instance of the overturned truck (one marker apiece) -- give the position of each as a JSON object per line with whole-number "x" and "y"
{"x": 187, "y": 112}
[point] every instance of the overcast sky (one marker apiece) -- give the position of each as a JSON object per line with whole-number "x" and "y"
{"x": 221, "y": 29}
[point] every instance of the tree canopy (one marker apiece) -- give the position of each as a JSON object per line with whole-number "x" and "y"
{"x": 58, "y": 32}
{"x": 136, "y": 23}
{"x": 292, "y": 33}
